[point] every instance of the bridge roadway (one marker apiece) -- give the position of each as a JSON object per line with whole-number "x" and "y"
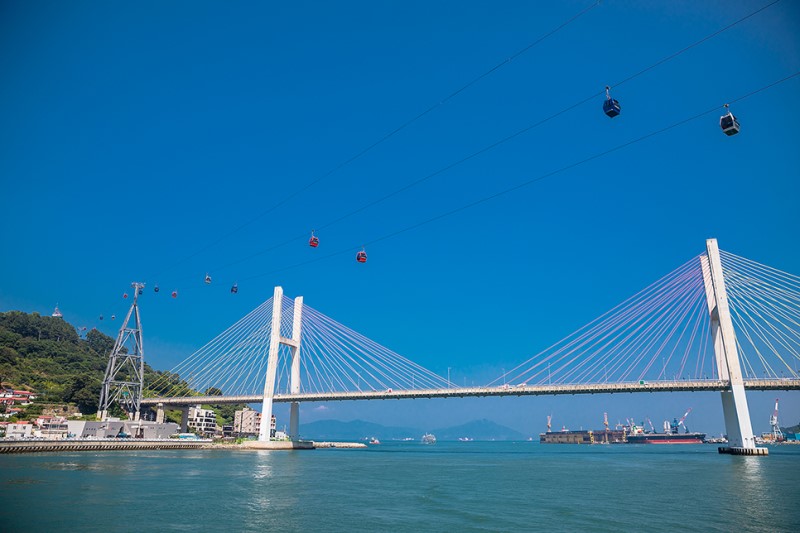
{"x": 503, "y": 390}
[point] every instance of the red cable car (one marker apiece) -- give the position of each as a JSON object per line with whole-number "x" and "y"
{"x": 174, "y": 294}
{"x": 313, "y": 241}
{"x": 125, "y": 295}
{"x": 361, "y": 256}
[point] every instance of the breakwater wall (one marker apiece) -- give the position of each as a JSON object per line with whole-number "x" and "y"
{"x": 70, "y": 445}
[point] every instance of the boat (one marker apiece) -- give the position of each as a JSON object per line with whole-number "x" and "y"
{"x": 671, "y": 434}
{"x": 465, "y": 439}
{"x": 667, "y": 438}
{"x": 373, "y": 440}
{"x": 429, "y": 438}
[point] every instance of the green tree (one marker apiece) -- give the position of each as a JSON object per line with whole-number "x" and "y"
{"x": 99, "y": 343}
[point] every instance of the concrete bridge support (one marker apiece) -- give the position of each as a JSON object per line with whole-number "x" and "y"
{"x": 272, "y": 366}
{"x": 184, "y": 418}
{"x": 734, "y": 401}
{"x": 160, "y": 413}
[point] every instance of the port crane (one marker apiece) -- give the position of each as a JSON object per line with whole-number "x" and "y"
{"x": 777, "y": 434}
{"x": 675, "y": 425}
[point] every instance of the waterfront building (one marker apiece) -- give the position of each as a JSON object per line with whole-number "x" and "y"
{"x": 246, "y": 422}
{"x": 204, "y": 421}
{"x": 121, "y": 429}
{"x": 51, "y": 427}
{"x": 19, "y": 430}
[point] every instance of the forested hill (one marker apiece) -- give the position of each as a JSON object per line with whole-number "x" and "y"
{"x": 45, "y": 354}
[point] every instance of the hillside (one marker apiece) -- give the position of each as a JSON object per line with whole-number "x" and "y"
{"x": 479, "y": 430}
{"x": 45, "y": 354}
{"x": 355, "y": 430}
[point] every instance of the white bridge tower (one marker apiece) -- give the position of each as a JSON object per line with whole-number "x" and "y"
{"x": 275, "y": 341}
{"x": 734, "y": 401}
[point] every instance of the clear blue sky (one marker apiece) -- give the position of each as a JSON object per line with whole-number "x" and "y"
{"x": 133, "y": 136}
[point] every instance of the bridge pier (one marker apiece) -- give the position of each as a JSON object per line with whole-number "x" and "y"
{"x": 160, "y": 413}
{"x": 734, "y": 400}
{"x": 184, "y": 418}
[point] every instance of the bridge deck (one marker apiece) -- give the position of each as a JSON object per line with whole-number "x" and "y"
{"x": 503, "y": 390}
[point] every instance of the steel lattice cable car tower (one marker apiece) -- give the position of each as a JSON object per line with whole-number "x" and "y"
{"x": 124, "y": 378}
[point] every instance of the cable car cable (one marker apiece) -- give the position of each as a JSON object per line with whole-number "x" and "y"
{"x": 387, "y": 136}
{"x": 499, "y": 142}
{"x": 496, "y": 143}
{"x": 531, "y": 181}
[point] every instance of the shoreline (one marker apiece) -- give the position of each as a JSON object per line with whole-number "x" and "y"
{"x": 86, "y": 445}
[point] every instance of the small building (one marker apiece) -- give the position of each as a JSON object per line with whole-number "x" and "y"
{"x": 121, "y": 429}
{"x": 51, "y": 428}
{"x": 19, "y": 430}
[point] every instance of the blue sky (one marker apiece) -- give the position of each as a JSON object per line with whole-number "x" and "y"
{"x": 152, "y": 141}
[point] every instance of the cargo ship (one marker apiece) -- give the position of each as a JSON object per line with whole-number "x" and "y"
{"x": 671, "y": 435}
{"x": 566, "y": 436}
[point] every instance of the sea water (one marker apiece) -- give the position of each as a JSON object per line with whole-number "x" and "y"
{"x": 459, "y": 486}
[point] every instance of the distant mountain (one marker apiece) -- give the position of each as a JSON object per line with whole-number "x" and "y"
{"x": 357, "y": 430}
{"x": 479, "y": 430}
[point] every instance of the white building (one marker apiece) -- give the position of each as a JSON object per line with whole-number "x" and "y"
{"x": 204, "y": 421}
{"x": 21, "y": 430}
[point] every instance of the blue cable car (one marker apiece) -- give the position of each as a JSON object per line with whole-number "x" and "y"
{"x": 208, "y": 279}
{"x": 728, "y": 123}
{"x": 235, "y": 288}
{"x": 611, "y": 107}
{"x": 155, "y": 289}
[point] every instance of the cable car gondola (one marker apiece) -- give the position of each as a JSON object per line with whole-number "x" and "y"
{"x": 125, "y": 295}
{"x": 728, "y": 123}
{"x": 611, "y": 107}
{"x": 155, "y": 289}
{"x": 235, "y": 288}
{"x": 361, "y": 256}
{"x": 174, "y": 294}
{"x": 208, "y": 279}
{"x": 313, "y": 241}
{"x": 141, "y": 291}
{"x": 101, "y": 317}
{"x": 113, "y": 317}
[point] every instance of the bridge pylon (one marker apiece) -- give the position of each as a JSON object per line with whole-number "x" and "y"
{"x": 276, "y": 339}
{"x": 734, "y": 400}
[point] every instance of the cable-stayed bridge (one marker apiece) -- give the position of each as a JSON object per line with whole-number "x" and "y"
{"x": 719, "y": 322}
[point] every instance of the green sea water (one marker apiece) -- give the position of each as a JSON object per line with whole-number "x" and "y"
{"x": 469, "y": 486}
